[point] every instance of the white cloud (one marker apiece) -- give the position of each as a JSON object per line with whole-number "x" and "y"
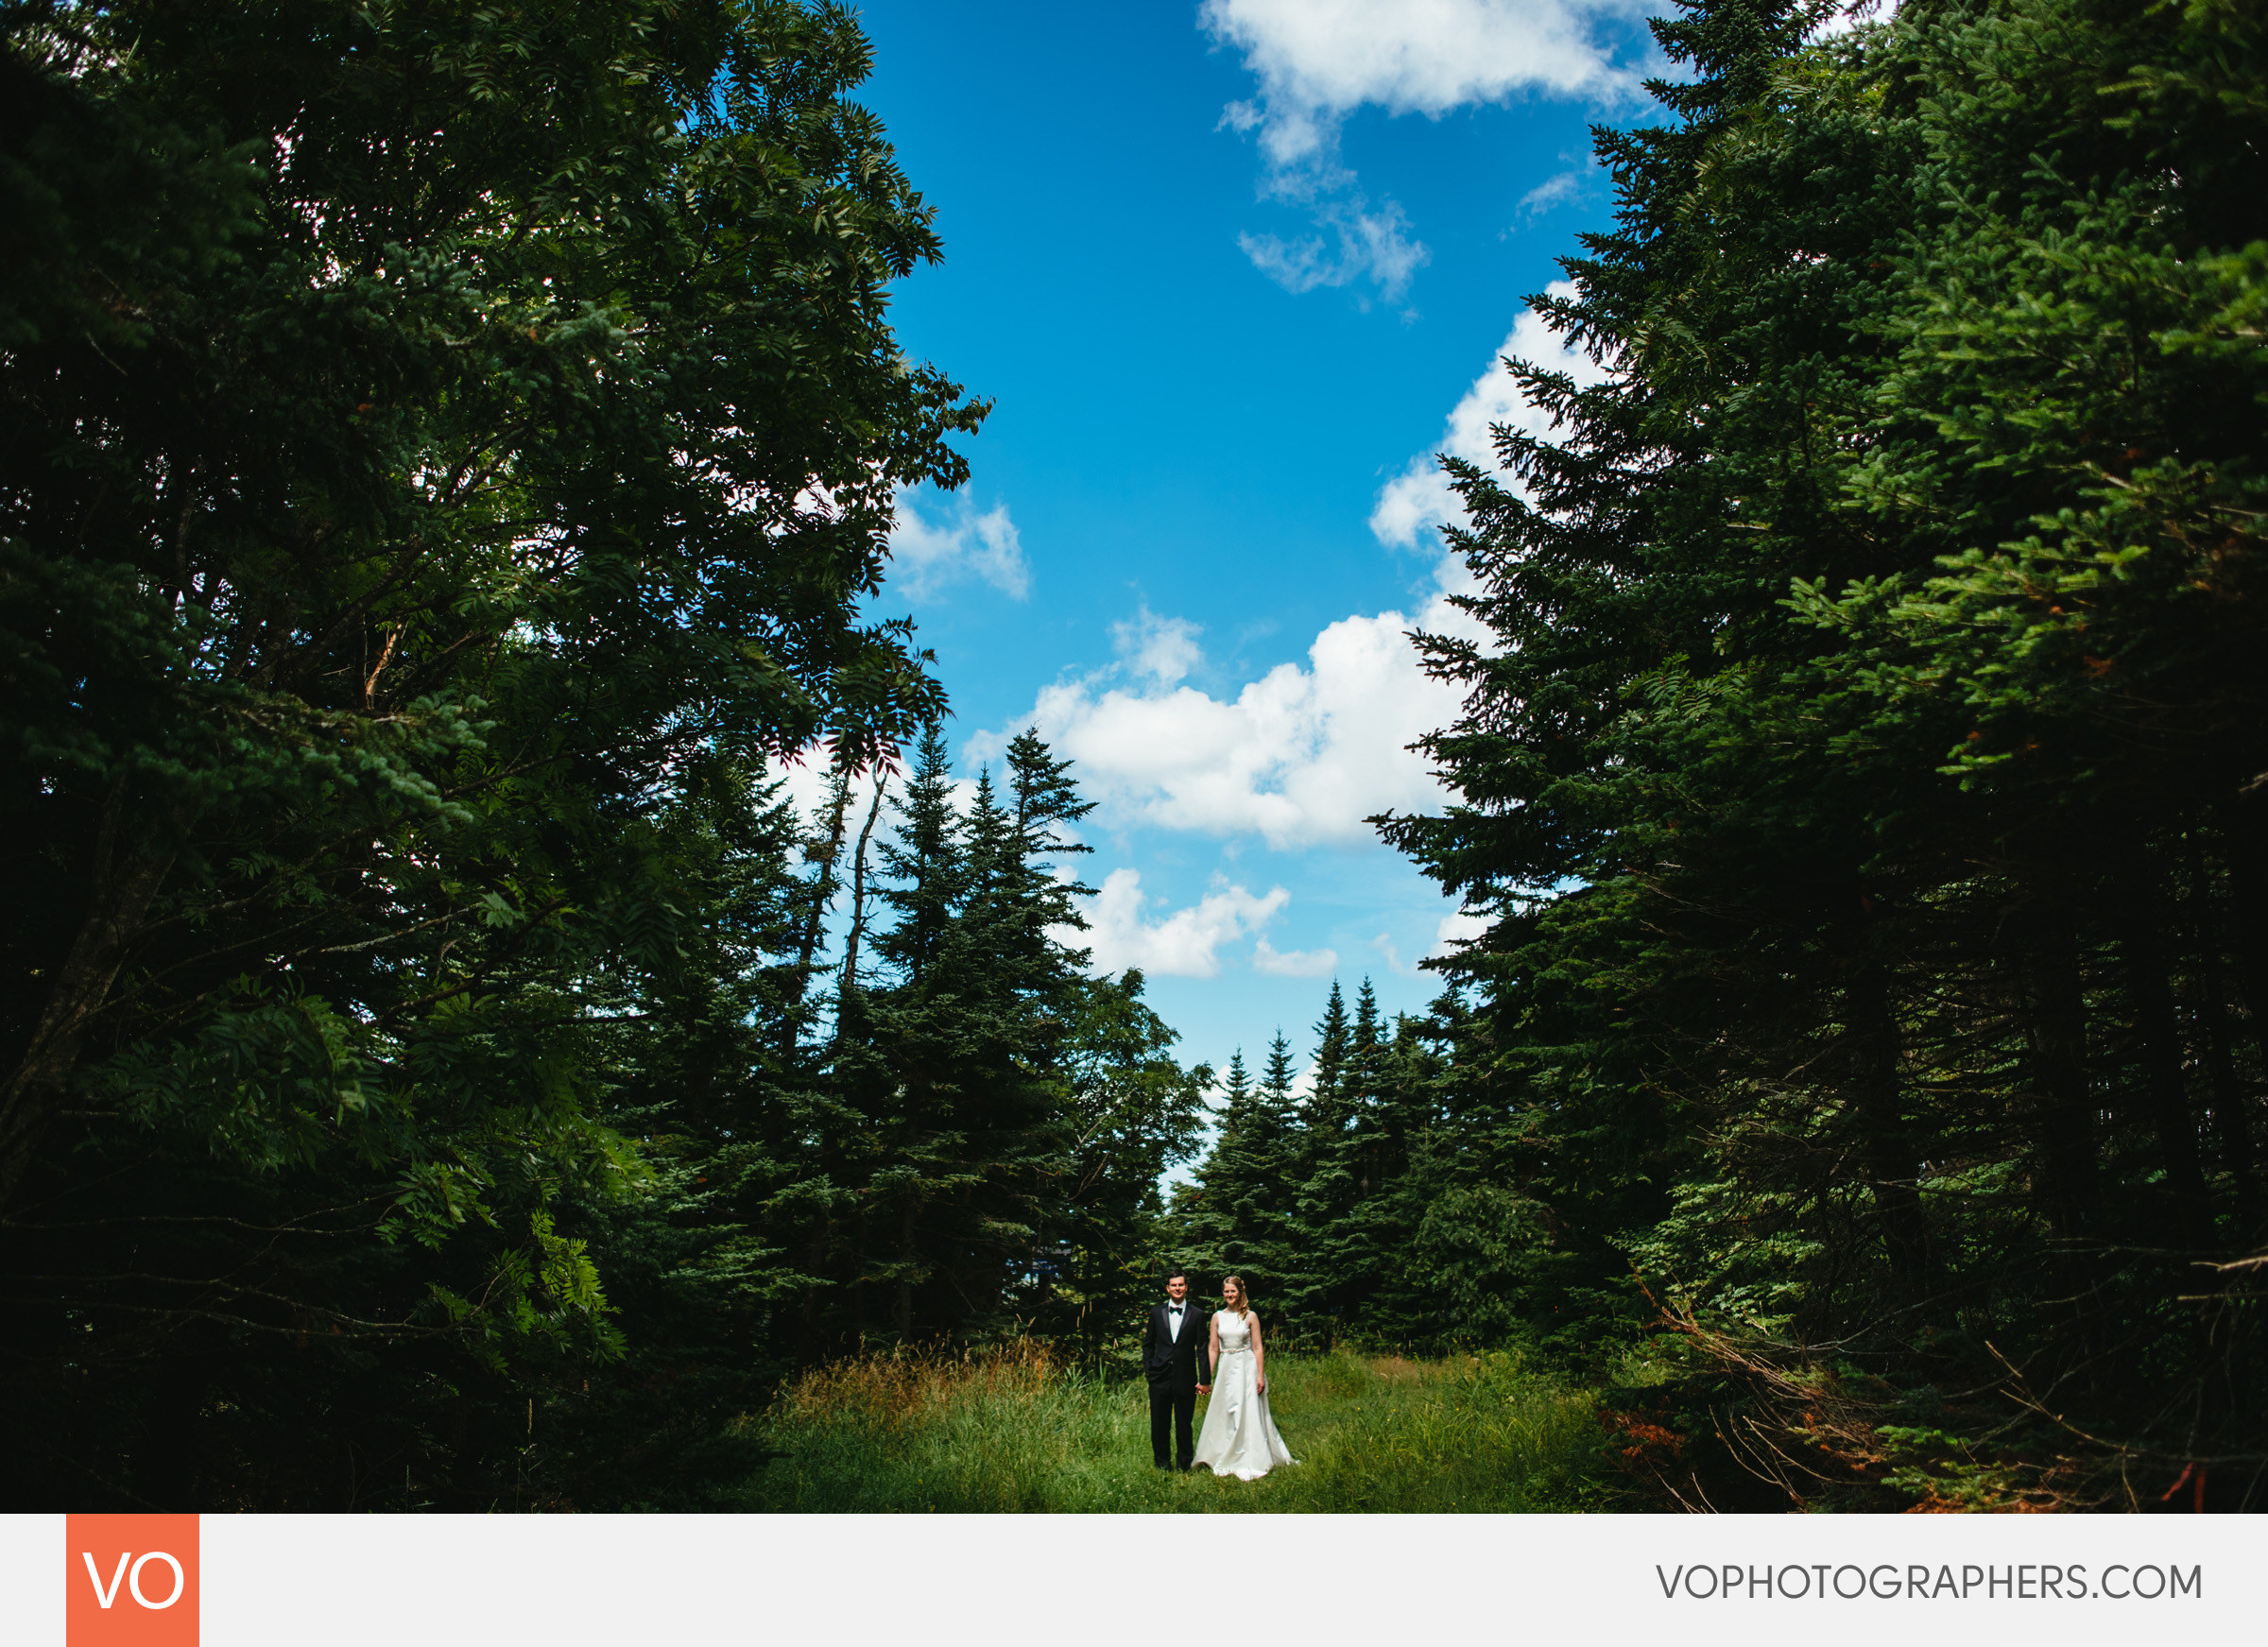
{"x": 1186, "y": 944}
{"x": 1298, "y": 756}
{"x": 811, "y": 788}
{"x": 1551, "y": 191}
{"x": 1367, "y": 246}
{"x": 1293, "y": 963}
{"x": 1845, "y": 18}
{"x": 810, "y": 791}
{"x": 1385, "y": 946}
{"x": 960, "y": 543}
{"x": 1317, "y": 60}
{"x": 1419, "y": 498}
{"x": 1456, "y": 928}
{"x": 1158, "y": 649}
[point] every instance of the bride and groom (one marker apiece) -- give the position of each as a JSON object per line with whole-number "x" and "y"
{"x": 1187, "y": 1353}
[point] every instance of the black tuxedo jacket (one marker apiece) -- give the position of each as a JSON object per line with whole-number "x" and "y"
{"x": 1184, "y": 1360}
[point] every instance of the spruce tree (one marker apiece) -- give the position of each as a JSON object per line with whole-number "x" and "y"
{"x": 1136, "y": 1113}
{"x": 1862, "y": 747}
{"x": 1323, "y": 1168}
{"x": 1245, "y": 1218}
{"x": 1226, "y": 1223}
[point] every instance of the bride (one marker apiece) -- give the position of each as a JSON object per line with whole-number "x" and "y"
{"x": 1239, "y": 1437}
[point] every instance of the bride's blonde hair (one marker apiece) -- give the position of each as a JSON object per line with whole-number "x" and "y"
{"x": 1244, "y": 1299}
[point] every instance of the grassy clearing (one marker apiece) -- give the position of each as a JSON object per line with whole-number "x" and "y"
{"x": 1010, "y": 1431}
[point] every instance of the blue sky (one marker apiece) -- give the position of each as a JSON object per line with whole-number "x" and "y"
{"x": 1233, "y": 274}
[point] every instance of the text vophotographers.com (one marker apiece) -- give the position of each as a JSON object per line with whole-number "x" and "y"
{"x": 1915, "y": 1581}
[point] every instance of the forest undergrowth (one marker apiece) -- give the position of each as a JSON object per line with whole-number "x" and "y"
{"x": 1017, "y": 1429}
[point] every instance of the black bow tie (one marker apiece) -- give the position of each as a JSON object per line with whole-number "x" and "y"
{"x": 1175, "y": 1308}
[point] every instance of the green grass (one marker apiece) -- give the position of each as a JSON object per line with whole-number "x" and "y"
{"x": 1009, "y": 1432}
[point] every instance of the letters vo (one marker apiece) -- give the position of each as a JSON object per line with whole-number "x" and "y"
{"x": 131, "y": 1581}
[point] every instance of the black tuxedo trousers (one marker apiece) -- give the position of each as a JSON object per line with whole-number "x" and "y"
{"x": 1176, "y": 1365}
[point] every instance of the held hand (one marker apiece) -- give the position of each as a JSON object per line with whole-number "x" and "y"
{"x": 1204, "y": 1389}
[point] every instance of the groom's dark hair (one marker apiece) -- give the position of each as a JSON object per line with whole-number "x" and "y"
{"x": 1176, "y": 1270}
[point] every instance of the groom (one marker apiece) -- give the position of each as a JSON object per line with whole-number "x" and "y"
{"x": 1174, "y": 1359}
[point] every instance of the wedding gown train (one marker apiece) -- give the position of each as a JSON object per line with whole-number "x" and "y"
{"x": 1239, "y": 1437}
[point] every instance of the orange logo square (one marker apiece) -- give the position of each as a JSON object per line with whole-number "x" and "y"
{"x": 129, "y": 1581}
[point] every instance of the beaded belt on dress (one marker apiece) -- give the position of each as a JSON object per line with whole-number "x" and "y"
{"x": 1234, "y": 1349}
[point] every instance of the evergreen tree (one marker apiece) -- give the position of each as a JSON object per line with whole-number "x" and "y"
{"x": 1333, "y": 1042}
{"x": 1857, "y": 758}
{"x": 1277, "y": 1144}
{"x": 924, "y": 866}
{"x": 1389, "y": 1301}
{"x": 1138, "y": 1113}
{"x": 1224, "y": 1223}
{"x": 1321, "y": 1173}
{"x": 992, "y": 1124}
{"x": 411, "y": 552}
{"x": 1245, "y": 1217}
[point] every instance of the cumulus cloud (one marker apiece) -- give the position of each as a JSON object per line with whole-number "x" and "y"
{"x": 1160, "y": 650}
{"x": 1186, "y": 943}
{"x": 1457, "y": 928}
{"x": 953, "y": 543}
{"x": 1293, "y": 963}
{"x": 1418, "y": 499}
{"x": 1843, "y": 19}
{"x": 1298, "y": 756}
{"x": 811, "y": 788}
{"x": 1318, "y": 60}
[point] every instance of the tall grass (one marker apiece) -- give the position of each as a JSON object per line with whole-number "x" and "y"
{"x": 1012, "y": 1429}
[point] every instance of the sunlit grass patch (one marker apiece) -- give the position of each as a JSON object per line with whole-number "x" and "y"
{"x": 1011, "y": 1429}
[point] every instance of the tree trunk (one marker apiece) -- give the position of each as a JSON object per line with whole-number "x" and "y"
{"x": 2061, "y": 1116}
{"x": 2232, "y": 1118}
{"x": 1886, "y": 1140}
{"x": 2249, "y": 896}
{"x": 815, "y": 1262}
{"x": 124, "y": 882}
{"x": 822, "y": 899}
{"x": 902, "y": 1314}
{"x": 2165, "y": 1093}
{"x": 858, "y": 892}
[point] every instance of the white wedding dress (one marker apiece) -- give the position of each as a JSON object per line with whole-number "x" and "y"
{"x": 1239, "y": 1437}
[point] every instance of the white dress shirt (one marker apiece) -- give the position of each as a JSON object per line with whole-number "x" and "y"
{"x": 1173, "y": 1322}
